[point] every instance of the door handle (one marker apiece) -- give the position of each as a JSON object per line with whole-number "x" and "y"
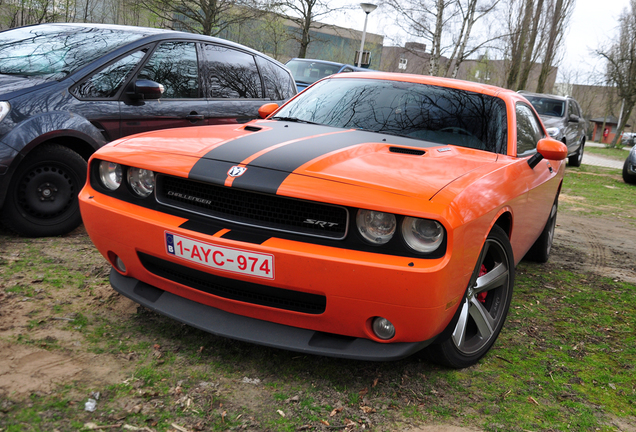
{"x": 194, "y": 117}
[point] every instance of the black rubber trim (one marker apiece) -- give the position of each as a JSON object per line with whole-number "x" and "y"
{"x": 234, "y": 289}
{"x": 256, "y": 331}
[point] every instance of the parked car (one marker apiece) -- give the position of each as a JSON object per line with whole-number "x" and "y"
{"x": 564, "y": 121}
{"x": 629, "y": 168}
{"x": 372, "y": 216}
{"x": 67, "y": 89}
{"x": 308, "y": 71}
{"x": 628, "y": 138}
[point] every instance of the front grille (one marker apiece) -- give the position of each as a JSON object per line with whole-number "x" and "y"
{"x": 234, "y": 289}
{"x": 254, "y": 209}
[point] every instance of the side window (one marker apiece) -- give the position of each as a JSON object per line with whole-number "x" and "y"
{"x": 231, "y": 74}
{"x": 279, "y": 84}
{"x": 175, "y": 66}
{"x": 107, "y": 82}
{"x": 571, "y": 109}
{"x": 529, "y": 131}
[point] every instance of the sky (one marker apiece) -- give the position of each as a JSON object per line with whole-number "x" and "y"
{"x": 593, "y": 24}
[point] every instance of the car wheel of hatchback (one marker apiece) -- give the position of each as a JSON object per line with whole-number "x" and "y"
{"x": 483, "y": 310}
{"x": 42, "y": 197}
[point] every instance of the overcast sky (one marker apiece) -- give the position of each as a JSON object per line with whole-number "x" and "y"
{"x": 593, "y": 24}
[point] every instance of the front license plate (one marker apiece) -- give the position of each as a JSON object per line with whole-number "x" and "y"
{"x": 221, "y": 258}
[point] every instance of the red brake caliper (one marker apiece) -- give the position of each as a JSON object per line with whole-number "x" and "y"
{"x": 482, "y": 295}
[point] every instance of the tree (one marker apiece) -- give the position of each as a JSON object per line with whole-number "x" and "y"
{"x": 447, "y": 25}
{"x": 621, "y": 64}
{"x": 208, "y": 17}
{"x": 561, "y": 14}
{"x": 305, "y": 14}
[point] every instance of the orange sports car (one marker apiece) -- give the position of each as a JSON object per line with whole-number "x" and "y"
{"x": 371, "y": 217}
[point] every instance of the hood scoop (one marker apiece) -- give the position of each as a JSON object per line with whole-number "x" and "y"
{"x": 408, "y": 151}
{"x": 252, "y": 128}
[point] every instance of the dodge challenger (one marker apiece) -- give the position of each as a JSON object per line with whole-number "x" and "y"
{"x": 372, "y": 217}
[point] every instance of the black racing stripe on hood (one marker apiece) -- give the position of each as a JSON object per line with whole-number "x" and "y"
{"x": 239, "y": 149}
{"x": 210, "y": 171}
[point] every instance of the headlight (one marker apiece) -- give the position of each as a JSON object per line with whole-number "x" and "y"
{"x": 110, "y": 174}
{"x": 376, "y": 227}
{"x": 553, "y": 132}
{"x": 4, "y": 109}
{"x": 422, "y": 235}
{"x": 141, "y": 181}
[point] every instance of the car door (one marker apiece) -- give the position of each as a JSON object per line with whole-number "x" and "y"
{"x": 98, "y": 94}
{"x": 540, "y": 180}
{"x": 232, "y": 85}
{"x": 175, "y": 65}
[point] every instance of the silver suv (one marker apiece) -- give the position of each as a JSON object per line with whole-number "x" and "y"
{"x": 562, "y": 117}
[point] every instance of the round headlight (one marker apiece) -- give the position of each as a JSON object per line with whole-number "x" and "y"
{"x": 553, "y": 132}
{"x": 110, "y": 174}
{"x": 422, "y": 235}
{"x": 376, "y": 227}
{"x": 141, "y": 181}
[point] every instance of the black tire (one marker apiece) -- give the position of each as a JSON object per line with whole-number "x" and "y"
{"x": 576, "y": 159}
{"x": 42, "y": 197}
{"x": 540, "y": 250}
{"x": 478, "y": 322}
{"x": 627, "y": 176}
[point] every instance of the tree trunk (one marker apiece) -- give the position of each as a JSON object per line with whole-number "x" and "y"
{"x": 528, "y": 59}
{"x": 555, "y": 29}
{"x": 519, "y": 47}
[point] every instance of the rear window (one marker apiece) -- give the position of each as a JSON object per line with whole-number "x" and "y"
{"x": 54, "y": 51}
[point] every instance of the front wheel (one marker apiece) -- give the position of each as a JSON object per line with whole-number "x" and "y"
{"x": 576, "y": 159}
{"x": 483, "y": 310}
{"x": 42, "y": 197}
{"x": 628, "y": 176}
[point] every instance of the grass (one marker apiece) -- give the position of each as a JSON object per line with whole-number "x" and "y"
{"x": 565, "y": 360}
{"x": 612, "y": 153}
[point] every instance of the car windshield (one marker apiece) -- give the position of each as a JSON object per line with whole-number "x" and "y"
{"x": 421, "y": 111}
{"x": 547, "y": 106}
{"x": 53, "y": 52}
{"x": 310, "y": 72}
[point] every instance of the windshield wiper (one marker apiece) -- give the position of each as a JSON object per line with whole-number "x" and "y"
{"x": 294, "y": 119}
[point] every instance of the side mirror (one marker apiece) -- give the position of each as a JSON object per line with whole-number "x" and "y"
{"x": 267, "y": 109}
{"x": 146, "y": 89}
{"x": 573, "y": 118}
{"x": 552, "y": 149}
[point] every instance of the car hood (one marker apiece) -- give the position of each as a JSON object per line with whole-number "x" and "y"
{"x": 550, "y": 121}
{"x": 268, "y": 155}
{"x": 13, "y": 83}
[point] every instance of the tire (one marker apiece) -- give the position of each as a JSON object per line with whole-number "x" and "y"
{"x": 540, "y": 250}
{"x": 478, "y": 321}
{"x": 42, "y": 197}
{"x": 627, "y": 176}
{"x": 576, "y": 159}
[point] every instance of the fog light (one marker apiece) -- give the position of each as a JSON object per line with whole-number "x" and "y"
{"x": 383, "y": 328}
{"x": 119, "y": 264}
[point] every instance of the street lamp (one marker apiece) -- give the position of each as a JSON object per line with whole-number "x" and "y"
{"x": 367, "y": 8}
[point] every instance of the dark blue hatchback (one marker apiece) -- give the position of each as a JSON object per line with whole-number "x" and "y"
{"x": 68, "y": 89}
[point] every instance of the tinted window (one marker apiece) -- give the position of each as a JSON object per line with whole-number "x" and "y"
{"x": 528, "y": 130}
{"x": 547, "y": 106}
{"x": 278, "y": 82}
{"x": 426, "y": 112}
{"x": 56, "y": 51}
{"x": 175, "y": 65}
{"x": 106, "y": 82}
{"x": 309, "y": 72}
{"x": 231, "y": 74}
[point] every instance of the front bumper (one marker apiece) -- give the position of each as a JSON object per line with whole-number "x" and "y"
{"x": 419, "y": 296}
{"x": 256, "y": 331}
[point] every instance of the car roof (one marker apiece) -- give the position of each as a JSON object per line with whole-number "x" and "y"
{"x": 150, "y": 34}
{"x": 332, "y": 63}
{"x": 551, "y": 96}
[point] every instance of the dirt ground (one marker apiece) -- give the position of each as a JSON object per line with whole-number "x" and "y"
{"x": 601, "y": 247}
